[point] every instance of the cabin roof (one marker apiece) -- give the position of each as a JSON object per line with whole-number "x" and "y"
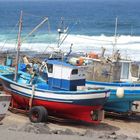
{"x": 57, "y": 62}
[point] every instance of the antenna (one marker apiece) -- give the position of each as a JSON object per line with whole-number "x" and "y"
{"x": 62, "y": 29}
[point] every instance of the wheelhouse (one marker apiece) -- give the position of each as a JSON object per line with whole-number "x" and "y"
{"x": 62, "y": 75}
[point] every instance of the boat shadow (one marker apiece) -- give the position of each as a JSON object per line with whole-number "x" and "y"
{"x": 134, "y": 117}
{"x": 103, "y": 126}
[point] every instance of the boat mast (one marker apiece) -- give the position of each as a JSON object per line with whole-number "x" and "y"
{"x": 62, "y": 30}
{"x": 18, "y": 46}
{"x": 115, "y": 34}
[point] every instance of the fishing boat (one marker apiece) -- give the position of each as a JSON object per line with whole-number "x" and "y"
{"x": 60, "y": 95}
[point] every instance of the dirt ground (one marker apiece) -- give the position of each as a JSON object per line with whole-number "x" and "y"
{"x": 18, "y": 126}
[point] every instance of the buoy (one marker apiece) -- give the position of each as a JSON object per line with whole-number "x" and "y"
{"x": 93, "y": 55}
{"x": 73, "y": 61}
{"x": 120, "y": 92}
{"x": 80, "y": 61}
{"x": 76, "y": 61}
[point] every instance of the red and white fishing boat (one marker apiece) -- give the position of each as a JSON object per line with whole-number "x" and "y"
{"x": 63, "y": 94}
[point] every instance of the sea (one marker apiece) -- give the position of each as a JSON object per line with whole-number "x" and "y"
{"x": 88, "y": 25}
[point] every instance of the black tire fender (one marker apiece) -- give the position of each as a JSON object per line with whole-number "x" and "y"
{"x": 38, "y": 114}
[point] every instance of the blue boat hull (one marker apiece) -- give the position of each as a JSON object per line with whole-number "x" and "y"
{"x": 114, "y": 103}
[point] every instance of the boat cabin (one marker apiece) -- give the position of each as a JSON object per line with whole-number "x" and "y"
{"x": 62, "y": 75}
{"x": 129, "y": 71}
{"x": 114, "y": 71}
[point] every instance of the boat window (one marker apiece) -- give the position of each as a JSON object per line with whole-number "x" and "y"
{"x": 125, "y": 71}
{"x": 74, "y": 71}
{"x": 135, "y": 70}
{"x": 50, "y": 68}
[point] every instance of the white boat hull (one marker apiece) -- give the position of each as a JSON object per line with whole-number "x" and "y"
{"x": 4, "y": 104}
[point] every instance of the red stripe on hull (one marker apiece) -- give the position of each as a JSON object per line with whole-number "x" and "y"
{"x": 63, "y": 110}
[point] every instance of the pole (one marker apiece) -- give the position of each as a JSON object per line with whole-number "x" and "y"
{"x": 115, "y": 35}
{"x": 32, "y": 96}
{"x": 40, "y": 24}
{"x": 18, "y": 46}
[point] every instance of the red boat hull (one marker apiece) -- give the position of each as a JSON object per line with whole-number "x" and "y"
{"x": 62, "y": 110}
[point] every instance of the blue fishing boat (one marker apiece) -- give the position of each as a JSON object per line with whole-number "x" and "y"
{"x": 120, "y": 78}
{"x": 62, "y": 94}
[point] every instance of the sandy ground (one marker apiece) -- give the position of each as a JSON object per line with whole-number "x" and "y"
{"x": 18, "y": 126}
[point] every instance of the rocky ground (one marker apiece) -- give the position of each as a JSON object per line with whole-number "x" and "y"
{"x": 18, "y": 126}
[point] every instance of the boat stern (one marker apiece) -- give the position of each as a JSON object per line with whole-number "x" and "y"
{"x": 4, "y": 104}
